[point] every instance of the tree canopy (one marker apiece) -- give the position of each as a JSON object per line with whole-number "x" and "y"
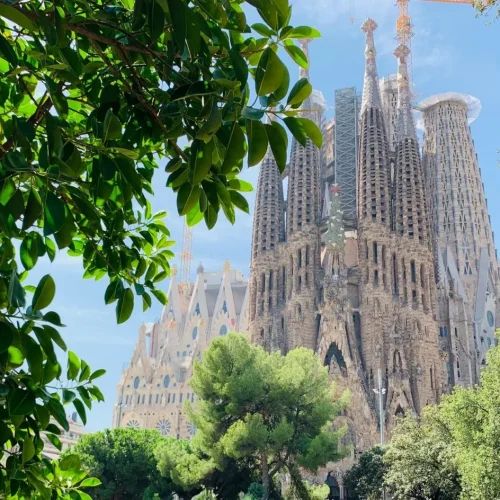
{"x": 273, "y": 411}
{"x": 365, "y": 480}
{"x": 124, "y": 461}
{"x": 94, "y": 97}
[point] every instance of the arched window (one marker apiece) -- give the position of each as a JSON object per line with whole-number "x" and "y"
{"x": 224, "y": 307}
{"x": 137, "y": 381}
{"x": 194, "y": 333}
{"x": 395, "y": 277}
{"x": 166, "y": 381}
{"x": 223, "y": 330}
{"x": 197, "y": 308}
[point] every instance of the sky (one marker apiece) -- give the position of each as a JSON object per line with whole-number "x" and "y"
{"x": 453, "y": 50}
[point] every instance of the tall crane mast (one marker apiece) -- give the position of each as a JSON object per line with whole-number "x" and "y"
{"x": 186, "y": 258}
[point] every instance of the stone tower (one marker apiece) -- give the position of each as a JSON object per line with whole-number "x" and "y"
{"x": 462, "y": 233}
{"x": 268, "y": 233}
{"x": 302, "y": 238}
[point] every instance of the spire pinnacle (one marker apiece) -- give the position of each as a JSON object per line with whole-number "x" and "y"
{"x": 371, "y": 90}
{"x": 304, "y": 45}
{"x": 405, "y": 124}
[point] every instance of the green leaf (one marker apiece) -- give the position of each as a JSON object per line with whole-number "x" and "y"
{"x": 201, "y": 160}
{"x": 6, "y": 335}
{"x": 252, "y": 113}
{"x": 20, "y": 402}
{"x": 16, "y": 16}
{"x": 239, "y": 201}
{"x": 112, "y": 126}
{"x": 29, "y": 250}
{"x": 156, "y": 20}
{"x": 97, "y": 374}
{"x": 52, "y": 317}
{"x": 278, "y": 142}
{"x": 257, "y": 141}
{"x": 45, "y": 340}
{"x": 240, "y": 185}
{"x": 263, "y": 30}
{"x": 55, "y": 336}
{"x": 58, "y": 412}
{"x": 54, "y": 214}
{"x": 298, "y": 55}
{"x": 160, "y": 295}
{"x": 74, "y": 364}
{"x": 178, "y": 14}
{"x": 240, "y": 66}
{"x": 235, "y": 148}
{"x": 297, "y": 129}
{"x": 33, "y": 209}
{"x": 90, "y": 482}
{"x": 195, "y": 215}
{"x": 146, "y": 301}
{"x": 81, "y": 410}
{"x": 300, "y": 92}
{"x": 210, "y": 216}
{"x": 312, "y": 131}
{"x": 34, "y": 357}
{"x": 187, "y": 197}
{"x": 70, "y": 463}
{"x": 270, "y": 73}
{"x": 28, "y": 449}
{"x": 8, "y": 51}
{"x": 16, "y": 357}
{"x": 44, "y": 293}
{"x": 125, "y": 306}
{"x": 68, "y": 396}
{"x": 16, "y": 293}
{"x": 72, "y": 59}
{"x": 303, "y": 32}
{"x": 114, "y": 291}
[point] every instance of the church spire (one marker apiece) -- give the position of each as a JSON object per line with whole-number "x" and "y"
{"x": 405, "y": 123}
{"x": 371, "y": 89}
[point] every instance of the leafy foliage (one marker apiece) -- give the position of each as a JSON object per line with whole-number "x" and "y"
{"x": 365, "y": 480}
{"x": 93, "y": 96}
{"x": 274, "y": 412}
{"x": 420, "y": 459}
{"x": 124, "y": 462}
{"x": 473, "y": 417}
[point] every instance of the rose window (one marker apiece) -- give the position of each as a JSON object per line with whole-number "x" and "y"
{"x": 164, "y": 426}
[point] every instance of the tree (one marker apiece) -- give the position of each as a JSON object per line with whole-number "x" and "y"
{"x": 420, "y": 459}
{"x": 487, "y": 6}
{"x": 473, "y": 418}
{"x": 93, "y": 97}
{"x": 124, "y": 461}
{"x": 365, "y": 480}
{"x": 191, "y": 471}
{"x": 273, "y": 411}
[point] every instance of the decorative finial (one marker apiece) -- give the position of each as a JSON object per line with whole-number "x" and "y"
{"x": 226, "y": 266}
{"x": 405, "y": 123}
{"x": 369, "y": 26}
{"x": 173, "y": 271}
{"x": 200, "y": 268}
{"x": 402, "y": 52}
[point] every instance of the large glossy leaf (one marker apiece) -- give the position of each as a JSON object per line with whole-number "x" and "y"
{"x": 300, "y": 92}
{"x": 303, "y": 32}
{"x": 278, "y": 142}
{"x": 270, "y": 73}
{"x": 44, "y": 293}
{"x": 298, "y": 55}
{"x": 125, "y": 306}
{"x": 257, "y": 141}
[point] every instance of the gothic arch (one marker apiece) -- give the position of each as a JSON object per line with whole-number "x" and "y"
{"x": 397, "y": 363}
{"x": 335, "y": 353}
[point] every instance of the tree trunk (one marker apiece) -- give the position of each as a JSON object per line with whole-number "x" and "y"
{"x": 298, "y": 483}
{"x": 264, "y": 468}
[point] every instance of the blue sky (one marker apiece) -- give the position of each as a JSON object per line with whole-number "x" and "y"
{"x": 452, "y": 51}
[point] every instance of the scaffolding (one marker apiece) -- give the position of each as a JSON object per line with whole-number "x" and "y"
{"x": 347, "y": 106}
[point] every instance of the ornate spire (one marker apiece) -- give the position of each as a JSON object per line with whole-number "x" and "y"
{"x": 304, "y": 45}
{"x": 405, "y": 123}
{"x": 371, "y": 89}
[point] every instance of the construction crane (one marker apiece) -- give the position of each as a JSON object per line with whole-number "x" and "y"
{"x": 186, "y": 258}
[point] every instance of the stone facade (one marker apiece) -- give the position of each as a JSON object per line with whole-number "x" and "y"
{"x": 383, "y": 294}
{"x": 154, "y": 387}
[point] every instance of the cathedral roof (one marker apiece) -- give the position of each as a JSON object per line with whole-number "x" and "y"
{"x": 371, "y": 89}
